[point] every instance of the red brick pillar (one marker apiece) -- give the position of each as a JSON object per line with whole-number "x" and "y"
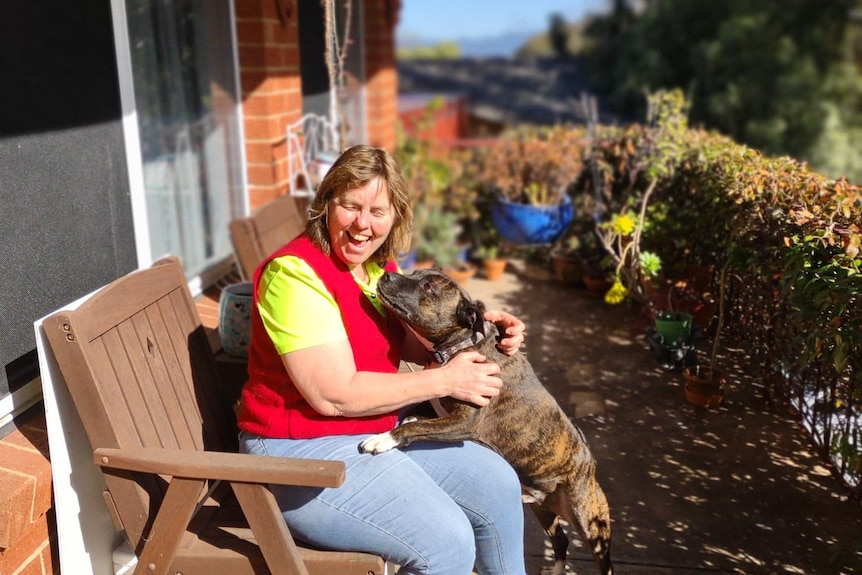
{"x": 381, "y": 77}
{"x": 268, "y": 46}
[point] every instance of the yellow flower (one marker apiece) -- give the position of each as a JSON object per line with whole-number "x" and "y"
{"x": 623, "y": 224}
{"x": 617, "y": 293}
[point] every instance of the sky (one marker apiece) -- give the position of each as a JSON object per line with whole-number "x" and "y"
{"x": 425, "y": 21}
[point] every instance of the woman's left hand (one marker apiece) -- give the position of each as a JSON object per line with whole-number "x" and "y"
{"x": 511, "y": 327}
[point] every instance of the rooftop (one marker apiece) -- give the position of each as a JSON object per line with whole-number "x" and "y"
{"x": 505, "y": 90}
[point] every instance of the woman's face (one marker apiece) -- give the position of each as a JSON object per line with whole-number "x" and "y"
{"x": 360, "y": 221}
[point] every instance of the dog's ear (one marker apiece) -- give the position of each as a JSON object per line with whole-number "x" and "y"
{"x": 471, "y": 314}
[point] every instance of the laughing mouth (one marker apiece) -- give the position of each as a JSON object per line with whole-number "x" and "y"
{"x": 358, "y": 238}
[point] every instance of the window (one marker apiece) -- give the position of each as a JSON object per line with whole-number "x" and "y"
{"x": 175, "y": 64}
{"x": 65, "y": 213}
{"x": 185, "y": 97}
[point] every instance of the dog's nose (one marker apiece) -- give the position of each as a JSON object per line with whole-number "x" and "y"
{"x": 387, "y": 277}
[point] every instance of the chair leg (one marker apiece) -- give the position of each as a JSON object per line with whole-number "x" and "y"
{"x": 177, "y": 509}
{"x": 271, "y": 532}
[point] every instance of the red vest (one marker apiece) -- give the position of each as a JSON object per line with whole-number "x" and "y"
{"x": 271, "y": 406}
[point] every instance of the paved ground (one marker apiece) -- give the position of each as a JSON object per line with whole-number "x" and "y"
{"x": 735, "y": 489}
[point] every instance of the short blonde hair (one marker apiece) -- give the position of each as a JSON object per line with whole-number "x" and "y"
{"x": 354, "y": 168}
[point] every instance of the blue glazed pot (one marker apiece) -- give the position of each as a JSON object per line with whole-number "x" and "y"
{"x": 234, "y": 325}
{"x": 529, "y": 224}
{"x": 407, "y": 260}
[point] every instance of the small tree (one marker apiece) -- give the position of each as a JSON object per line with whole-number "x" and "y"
{"x": 657, "y": 157}
{"x": 558, "y": 34}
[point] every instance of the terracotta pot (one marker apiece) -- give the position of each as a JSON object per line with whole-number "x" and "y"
{"x": 494, "y": 268}
{"x": 423, "y": 265}
{"x": 596, "y": 286}
{"x": 703, "y": 387}
{"x": 700, "y": 276}
{"x": 462, "y": 273}
{"x": 567, "y": 269}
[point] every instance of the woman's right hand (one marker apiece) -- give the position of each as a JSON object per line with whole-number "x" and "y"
{"x": 471, "y": 378}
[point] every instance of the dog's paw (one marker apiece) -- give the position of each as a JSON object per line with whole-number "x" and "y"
{"x": 558, "y": 569}
{"x": 409, "y": 419}
{"x": 532, "y": 495}
{"x": 378, "y": 443}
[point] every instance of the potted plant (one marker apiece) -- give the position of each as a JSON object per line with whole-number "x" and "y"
{"x": 423, "y": 247}
{"x": 429, "y": 175}
{"x": 493, "y": 263}
{"x": 437, "y": 239}
{"x": 598, "y": 278}
{"x": 578, "y": 258}
{"x": 530, "y": 171}
{"x": 705, "y": 384}
{"x": 489, "y": 249}
{"x": 567, "y": 260}
{"x": 636, "y": 273}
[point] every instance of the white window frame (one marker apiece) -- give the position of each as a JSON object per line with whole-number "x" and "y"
{"x": 19, "y": 401}
{"x": 131, "y": 136}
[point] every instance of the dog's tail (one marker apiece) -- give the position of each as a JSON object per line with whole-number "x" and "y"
{"x": 590, "y": 514}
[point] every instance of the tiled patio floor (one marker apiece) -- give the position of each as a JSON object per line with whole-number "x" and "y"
{"x": 734, "y": 489}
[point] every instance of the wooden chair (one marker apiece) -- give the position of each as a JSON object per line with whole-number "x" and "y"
{"x": 143, "y": 379}
{"x": 256, "y": 236}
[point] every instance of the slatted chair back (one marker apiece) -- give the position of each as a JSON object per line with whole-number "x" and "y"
{"x": 256, "y": 236}
{"x": 141, "y": 374}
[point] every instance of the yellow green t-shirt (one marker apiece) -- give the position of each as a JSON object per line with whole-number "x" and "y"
{"x": 298, "y": 311}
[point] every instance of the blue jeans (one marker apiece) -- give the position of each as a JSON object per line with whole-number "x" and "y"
{"x": 432, "y": 508}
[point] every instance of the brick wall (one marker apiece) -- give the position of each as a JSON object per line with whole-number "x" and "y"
{"x": 28, "y": 533}
{"x": 272, "y": 89}
{"x": 268, "y": 46}
{"x": 381, "y": 17}
{"x": 447, "y": 122}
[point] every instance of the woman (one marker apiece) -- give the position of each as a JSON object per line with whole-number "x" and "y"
{"x": 323, "y": 375}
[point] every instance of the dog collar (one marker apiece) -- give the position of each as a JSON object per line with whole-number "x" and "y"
{"x": 442, "y": 356}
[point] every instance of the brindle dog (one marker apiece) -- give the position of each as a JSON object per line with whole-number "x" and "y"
{"x": 524, "y": 423}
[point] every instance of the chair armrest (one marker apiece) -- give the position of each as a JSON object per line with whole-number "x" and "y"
{"x": 216, "y": 465}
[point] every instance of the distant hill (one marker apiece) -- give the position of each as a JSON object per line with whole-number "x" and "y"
{"x": 539, "y": 45}
{"x": 512, "y": 44}
{"x": 502, "y": 46}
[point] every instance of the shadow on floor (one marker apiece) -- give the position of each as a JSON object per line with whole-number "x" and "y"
{"x": 733, "y": 489}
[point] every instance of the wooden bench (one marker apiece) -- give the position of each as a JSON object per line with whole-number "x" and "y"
{"x": 142, "y": 377}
